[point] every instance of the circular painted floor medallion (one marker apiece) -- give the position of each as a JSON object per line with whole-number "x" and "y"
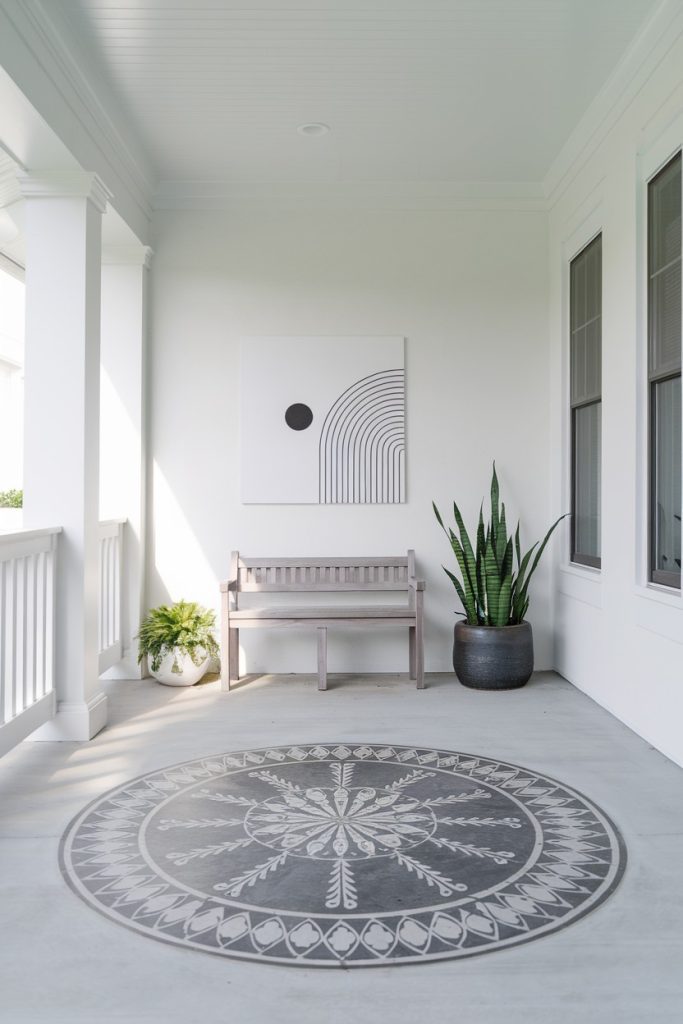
{"x": 341, "y": 855}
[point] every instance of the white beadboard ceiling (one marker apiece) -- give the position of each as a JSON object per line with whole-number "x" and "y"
{"x": 413, "y": 90}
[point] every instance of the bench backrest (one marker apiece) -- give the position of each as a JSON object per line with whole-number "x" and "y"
{"x": 322, "y": 574}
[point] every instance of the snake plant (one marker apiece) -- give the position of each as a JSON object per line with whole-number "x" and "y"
{"x": 183, "y": 628}
{"x": 493, "y": 591}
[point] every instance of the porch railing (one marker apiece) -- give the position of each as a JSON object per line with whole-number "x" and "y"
{"x": 27, "y": 590}
{"x": 111, "y": 560}
{"x": 28, "y": 572}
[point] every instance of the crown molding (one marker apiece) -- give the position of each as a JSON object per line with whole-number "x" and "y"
{"x": 127, "y": 255}
{"x": 378, "y": 195}
{"x": 63, "y": 185}
{"x": 646, "y": 52}
{"x": 38, "y": 31}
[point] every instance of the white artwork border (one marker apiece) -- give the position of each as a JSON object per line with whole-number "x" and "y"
{"x": 322, "y": 420}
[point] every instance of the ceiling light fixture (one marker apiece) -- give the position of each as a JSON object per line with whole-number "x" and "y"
{"x": 313, "y": 128}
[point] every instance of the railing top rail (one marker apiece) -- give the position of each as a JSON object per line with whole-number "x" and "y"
{"x": 18, "y": 535}
{"x": 112, "y": 522}
{"x": 27, "y": 542}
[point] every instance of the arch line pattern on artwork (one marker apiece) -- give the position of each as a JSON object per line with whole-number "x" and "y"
{"x": 362, "y": 443}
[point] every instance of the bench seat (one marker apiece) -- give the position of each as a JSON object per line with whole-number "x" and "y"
{"x": 331, "y": 612}
{"x": 313, "y": 576}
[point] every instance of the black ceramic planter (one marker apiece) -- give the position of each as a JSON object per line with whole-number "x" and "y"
{"x": 493, "y": 657}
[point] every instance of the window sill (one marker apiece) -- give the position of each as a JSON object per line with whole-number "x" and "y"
{"x": 581, "y": 583}
{"x": 584, "y": 572}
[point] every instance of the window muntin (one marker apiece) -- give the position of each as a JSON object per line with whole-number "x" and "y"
{"x": 664, "y": 372}
{"x": 585, "y": 303}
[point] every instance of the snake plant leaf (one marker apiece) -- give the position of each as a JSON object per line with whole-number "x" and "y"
{"x": 468, "y": 605}
{"x": 491, "y": 591}
{"x": 519, "y": 604}
{"x": 506, "y": 568}
{"x": 540, "y": 551}
{"x": 480, "y": 530}
{"x": 481, "y": 545}
{"x": 492, "y": 584}
{"x": 503, "y": 610}
{"x": 462, "y": 563}
{"x": 524, "y": 564}
{"x": 501, "y": 539}
{"x": 438, "y": 516}
{"x": 495, "y": 512}
{"x": 466, "y": 546}
{"x": 519, "y": 589}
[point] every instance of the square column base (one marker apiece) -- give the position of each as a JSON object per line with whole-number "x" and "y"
{"x": 75, "y": 722}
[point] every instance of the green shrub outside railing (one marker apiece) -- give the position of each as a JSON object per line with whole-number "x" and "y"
{"x": 11, "y": 499}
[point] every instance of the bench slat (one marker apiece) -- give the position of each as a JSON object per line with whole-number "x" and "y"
{"x": 255, "y": 563}
{"x": 320, "y": 588}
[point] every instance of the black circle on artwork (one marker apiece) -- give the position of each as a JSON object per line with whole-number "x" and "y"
{"x": 298, "y": 416}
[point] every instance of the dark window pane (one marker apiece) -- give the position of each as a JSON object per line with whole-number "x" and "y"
{"x": 594, "y": 279}
{"x": 577, "y": 289}
{"x": 587, "y": 444}
{"x": 666, "y": 454}
{"x": 585, "y": 303}
{"x": 664, "y": 328}
{"x": 665, "y": 216}
{"x": 586, "y": 352}
{"x": 579, "y": 342}
{"x": 585, "y": 285}
{"x": 665, "y": 321}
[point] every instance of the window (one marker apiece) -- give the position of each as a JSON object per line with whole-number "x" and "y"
{"x": 664, "y": 372}
{"x": 585, "y": 304}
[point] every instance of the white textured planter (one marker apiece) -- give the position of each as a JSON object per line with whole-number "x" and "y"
{"x": 189, "y": 672}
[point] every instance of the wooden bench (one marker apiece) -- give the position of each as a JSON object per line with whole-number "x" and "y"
{"x": 315, "y": 576}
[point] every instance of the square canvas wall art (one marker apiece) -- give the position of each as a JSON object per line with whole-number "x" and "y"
{"x": 322, "y": 420}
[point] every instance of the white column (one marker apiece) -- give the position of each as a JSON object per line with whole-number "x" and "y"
{"x": 123, "y": 445}
{"x": 63, "y": 229}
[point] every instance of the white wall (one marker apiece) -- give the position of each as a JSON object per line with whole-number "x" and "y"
{"x": 11, "y": 381}
{"x": 618, "y": 638}
{"x": 468, "y": 290}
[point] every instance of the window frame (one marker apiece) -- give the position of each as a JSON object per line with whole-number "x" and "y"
{"x": 659, "y": 577}
{"x": 578, "y": 558}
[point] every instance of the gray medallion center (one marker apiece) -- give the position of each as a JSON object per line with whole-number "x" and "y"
{"x": 340, "y": 822}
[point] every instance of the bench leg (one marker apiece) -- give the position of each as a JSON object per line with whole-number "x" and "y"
{"x": 411, "y": 652}
{"x": 225, "y": 641}
{"x": 322, "y": 657}
{"x": 419, "y": 642}
{"x": 233, "y": 656}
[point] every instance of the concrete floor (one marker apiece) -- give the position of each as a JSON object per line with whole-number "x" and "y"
{"x": 62, "y": 961}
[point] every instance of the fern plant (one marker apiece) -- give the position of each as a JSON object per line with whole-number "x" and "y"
{"x": 492, "y": 590}
{"x": 182, "y": 628}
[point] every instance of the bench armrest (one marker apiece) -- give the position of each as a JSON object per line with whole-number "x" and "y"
{"x": 416, "y": 584}
{"x": 228, "y": 585}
